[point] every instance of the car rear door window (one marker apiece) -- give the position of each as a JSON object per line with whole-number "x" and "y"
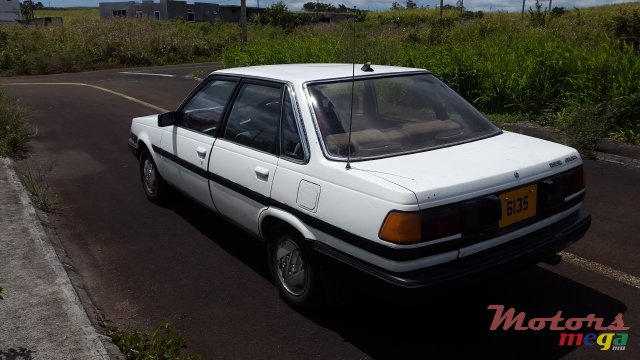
{"x": 254, "y": 117}
{"x": 291, "y": 143}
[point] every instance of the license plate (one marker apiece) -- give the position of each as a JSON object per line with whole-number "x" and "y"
{"x": 518, "y": 204}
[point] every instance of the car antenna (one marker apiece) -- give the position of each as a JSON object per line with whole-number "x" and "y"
{"x": 353, "y": 80}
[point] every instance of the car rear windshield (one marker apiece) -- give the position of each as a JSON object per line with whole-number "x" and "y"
{"x": 393, "y": 115}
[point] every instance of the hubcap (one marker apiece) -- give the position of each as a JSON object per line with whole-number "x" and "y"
{"x": 149, "y": 177}
{"x": 290, "y": 266}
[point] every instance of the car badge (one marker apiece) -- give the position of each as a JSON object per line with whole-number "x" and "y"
{"x": 516, "y": 174}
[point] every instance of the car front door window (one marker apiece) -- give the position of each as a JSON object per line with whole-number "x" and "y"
{"x": 204, "y": 111}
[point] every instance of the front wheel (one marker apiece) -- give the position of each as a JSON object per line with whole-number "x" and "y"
{"x": 152, "y": 183}
{"x": 292, "y": 268}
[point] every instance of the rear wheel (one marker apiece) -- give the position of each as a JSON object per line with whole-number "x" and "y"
{"x": 292, "y": 267}
{"x": 152, "y": 183}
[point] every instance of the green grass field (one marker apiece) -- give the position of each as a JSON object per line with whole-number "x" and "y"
{"x": 543, "y": 68}
{"x": 70, "y": 15}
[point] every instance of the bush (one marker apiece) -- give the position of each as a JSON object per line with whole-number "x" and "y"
{"x": 537, "y": 17}
{"x": 626, "y": 27}
{"x": 584, "y": 126}
{"x": 558, "y": 11}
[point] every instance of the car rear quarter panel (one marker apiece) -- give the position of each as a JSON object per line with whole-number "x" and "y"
{"x": 352, "y": 200}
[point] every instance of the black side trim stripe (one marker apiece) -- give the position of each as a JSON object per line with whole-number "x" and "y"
{"x": 398, "y": 254}
{"x": 339, "y": 233}
{"x": 256, "y": 196}
{"x": 185, "y": 164}
{"x": 253, "y": 195}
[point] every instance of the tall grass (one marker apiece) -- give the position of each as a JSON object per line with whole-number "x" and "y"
{"x": 97, "y": 44}
{"x": 502, "y": 63}
{"x": 70, "y": 15}
{"x": 13, "y": 127}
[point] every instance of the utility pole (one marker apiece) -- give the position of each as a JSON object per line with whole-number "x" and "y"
{"x": 549, "y": 5}
{"x": 523, "y": 1}
{"x": 441, "y": 1}
{"x": 243, "y": 21}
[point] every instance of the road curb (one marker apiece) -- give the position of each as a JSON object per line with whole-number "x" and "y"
{"x": 93, "y": 340}
{"x": 617, "y": 159}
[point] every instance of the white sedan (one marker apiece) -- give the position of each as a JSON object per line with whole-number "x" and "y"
{"x": 385, "y": 169}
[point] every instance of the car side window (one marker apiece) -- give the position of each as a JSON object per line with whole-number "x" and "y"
{"x": 203, "y": 112}
{"x": 254, "y": 117}
{"x": 290, "y": 141}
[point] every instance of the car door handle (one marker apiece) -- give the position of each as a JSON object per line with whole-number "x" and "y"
{"x": 262, "y": 173}
{"x": 202, "y": 152}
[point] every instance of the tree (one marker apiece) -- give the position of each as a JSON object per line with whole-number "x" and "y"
{"x": 319, "y": 7}
{"x": 411, "y": 5}
{"x": 26, "y": 8}
{"x": 279, "y": 15}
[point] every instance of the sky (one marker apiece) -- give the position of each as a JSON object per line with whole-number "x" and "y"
{"x": 485, "y": 5}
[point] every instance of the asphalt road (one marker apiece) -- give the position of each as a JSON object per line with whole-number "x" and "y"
{"x": 143, "y": 264}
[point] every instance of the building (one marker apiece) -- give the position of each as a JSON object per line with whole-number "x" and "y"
{"x": 9, "y": 11}
{"x": 174, "y": 10}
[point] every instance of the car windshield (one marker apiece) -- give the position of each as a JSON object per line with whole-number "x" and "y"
{"x": 393, "y": 115}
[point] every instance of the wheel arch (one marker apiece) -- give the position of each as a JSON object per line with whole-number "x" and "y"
{"x": 273, "y": 217}
{"x": 145, "y": 143}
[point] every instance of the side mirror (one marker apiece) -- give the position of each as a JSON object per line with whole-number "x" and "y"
{"x": 167, "y": 119}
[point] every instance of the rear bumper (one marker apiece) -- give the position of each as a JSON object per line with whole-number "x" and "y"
{"x": 526, "y": 250}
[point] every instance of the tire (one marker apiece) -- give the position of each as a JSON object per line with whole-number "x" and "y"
{"x": 293, "y": 269}
{"x": 153, "y": 184}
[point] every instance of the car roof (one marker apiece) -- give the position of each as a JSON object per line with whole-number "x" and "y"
{"x": 301, "y": 73}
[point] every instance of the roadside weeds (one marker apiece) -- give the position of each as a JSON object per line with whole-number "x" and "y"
{"x": 35, "y": 179}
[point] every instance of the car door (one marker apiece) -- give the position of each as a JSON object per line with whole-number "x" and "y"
{"x": 187, "y": 145}
{"x": 245, "y": 157}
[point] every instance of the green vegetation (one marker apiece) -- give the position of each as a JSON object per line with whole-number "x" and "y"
{"x": 13, "y": 127}
{"x": 96, "y": 44}
{"x": 70, "y": 15}
{"x": 545, "y": 67}
{"x": 163, "y": 344}
{"x": 35, "y": 179}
